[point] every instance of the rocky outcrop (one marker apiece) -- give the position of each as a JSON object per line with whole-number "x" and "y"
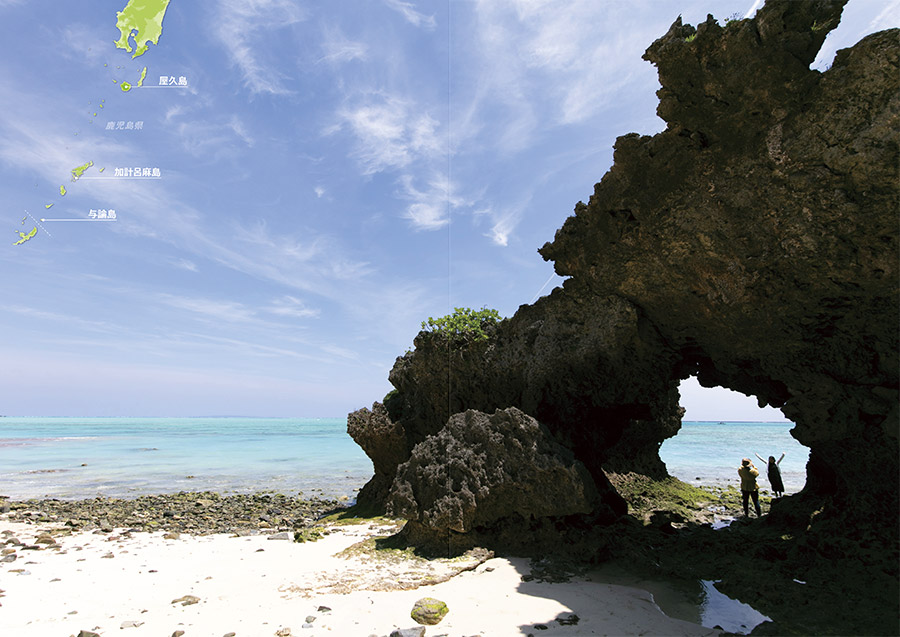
{"x": 482, "y": 468}
{"x": 758, "y": 233}
{"x": 384, "y": 441}
{"x": 753, "y": 243}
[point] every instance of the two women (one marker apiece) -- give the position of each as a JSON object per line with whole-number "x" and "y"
{"x": 749, "y": 488}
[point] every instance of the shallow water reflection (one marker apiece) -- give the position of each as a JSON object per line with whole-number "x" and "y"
{"x": 717, "y": 609}
{"x": 697, "y": 601}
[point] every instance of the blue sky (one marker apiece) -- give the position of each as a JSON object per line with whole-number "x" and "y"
{"x": 332, "y": 174}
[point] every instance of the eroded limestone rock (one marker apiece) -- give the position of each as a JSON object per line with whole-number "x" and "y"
{"x": 481, "y": 468}
{"x": 753, "y": 243}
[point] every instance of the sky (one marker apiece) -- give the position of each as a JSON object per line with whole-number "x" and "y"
{"x": 325, "y": 176}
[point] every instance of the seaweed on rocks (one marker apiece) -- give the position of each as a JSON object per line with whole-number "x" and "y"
{"x": 198, "y": 513}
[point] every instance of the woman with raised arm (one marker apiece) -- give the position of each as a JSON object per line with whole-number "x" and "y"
{"x": 773, "y": 472}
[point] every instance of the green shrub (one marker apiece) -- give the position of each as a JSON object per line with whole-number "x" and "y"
{"x": 464, "y": 322}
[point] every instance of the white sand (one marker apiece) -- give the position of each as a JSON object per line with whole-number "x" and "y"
{"x": 256, "y": 593}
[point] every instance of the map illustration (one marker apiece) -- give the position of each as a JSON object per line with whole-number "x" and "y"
{"x": 140, "y": 23}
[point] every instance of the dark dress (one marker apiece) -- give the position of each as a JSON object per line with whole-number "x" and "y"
{"x": 774, "y": 475}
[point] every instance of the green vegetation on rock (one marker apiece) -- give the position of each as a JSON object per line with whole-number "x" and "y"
{"x": 463, "y": 323}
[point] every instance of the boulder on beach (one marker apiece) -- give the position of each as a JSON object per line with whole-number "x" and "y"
{"x": 429, "y": 611}
{"x": 481, "y": 468}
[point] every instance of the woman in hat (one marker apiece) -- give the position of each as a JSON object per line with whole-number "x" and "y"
{"x": 749, "y": 488}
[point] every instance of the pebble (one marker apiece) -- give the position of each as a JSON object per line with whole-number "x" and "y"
{"x": 178, "y": 633}
{"x": 87, "y": 633}
{"x": 418, "y": 631}
{"x": 570, "y": 620}
{"x": 131, "y": 624}
{"x": 283, "y": 632}
{"x": 284, "y": 535}
{"x": 186, "y": 600}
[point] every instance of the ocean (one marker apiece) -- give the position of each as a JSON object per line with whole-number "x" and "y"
{"x": 72, "y": 458}
{"x": 709, "y": 453}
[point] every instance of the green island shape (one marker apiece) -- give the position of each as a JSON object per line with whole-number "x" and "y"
{"x": 79, "y": 171}
{"x": 143, "y": 19}
{"x": 125, "y": 86}
{"x": 62, "y": 191}
{"x": 143, "y": 75}
{"x": 26, "y": 237}
{"x": 48, "y": 206}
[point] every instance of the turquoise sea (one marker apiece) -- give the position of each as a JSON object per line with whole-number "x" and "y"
{"x": 710, "y": 453}
{"x": 73, "y": 458}
{"x": 120, "y": 457}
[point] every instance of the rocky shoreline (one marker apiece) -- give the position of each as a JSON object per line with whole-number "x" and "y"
{"x": 197, "y": 513}
{"x": 670, "y": 531}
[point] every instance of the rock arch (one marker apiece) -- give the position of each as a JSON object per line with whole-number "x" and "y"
{"x": 753, "y": 243}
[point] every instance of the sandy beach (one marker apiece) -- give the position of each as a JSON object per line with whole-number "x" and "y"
{"x": 151, "y": 583}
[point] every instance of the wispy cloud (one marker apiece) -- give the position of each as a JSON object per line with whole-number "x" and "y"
{"x": 184, "y": 264}
{"x": 337, "y": 48}
{"x": 220, "y": 310}
{"x": 554, "y": 66}
{"x": 408, "y": 11}
{"x": 291, "y": 306}
{"x": 429, "y": 208}
{"x": 888, "y": 18}
{"x": 44, "y": 315}
{"x": 390, "y": 132}
{"x": 242, "y": 28}
{"x": 81, "y": 43}
{"x": 504, "y": 224}
{"x": 214, "y": 139}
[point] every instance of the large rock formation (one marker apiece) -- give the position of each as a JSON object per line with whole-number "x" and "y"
{"x": 753, "y": 244}
{"x": 758, "y": 233}
{"x": 483, "y": 468}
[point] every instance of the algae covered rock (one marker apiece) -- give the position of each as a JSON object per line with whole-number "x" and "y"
{"x": 429, "y": 611}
